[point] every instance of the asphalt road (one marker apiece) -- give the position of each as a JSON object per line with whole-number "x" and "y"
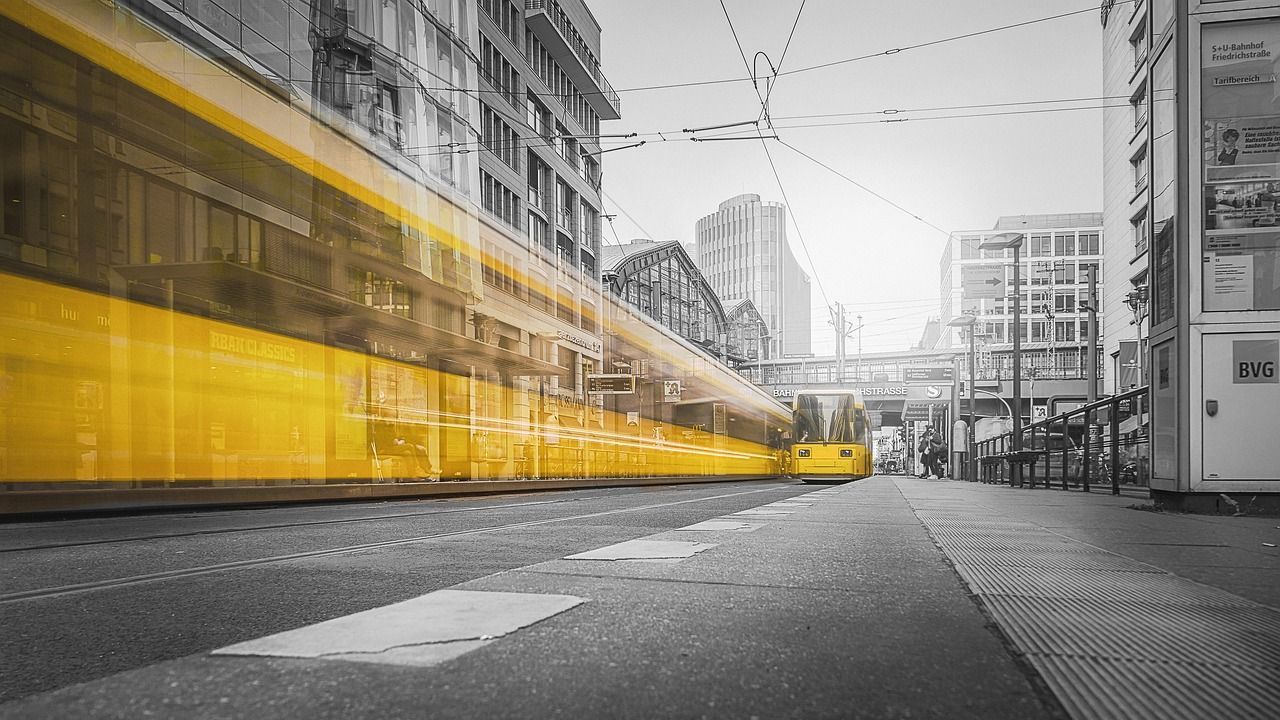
{"x": 834, "y": 604}
{"x": 59, "y": 635}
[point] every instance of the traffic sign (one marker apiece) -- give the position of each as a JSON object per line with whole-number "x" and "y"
{"x": 982, "y": 281}
{"x": 611, "y": 384}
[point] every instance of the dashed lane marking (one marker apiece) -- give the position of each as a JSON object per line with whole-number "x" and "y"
{"x": 644, "y": 550}
{"x": 421, "y": 632}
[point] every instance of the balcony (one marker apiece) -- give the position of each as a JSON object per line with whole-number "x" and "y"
{"x": 557, "y": 34}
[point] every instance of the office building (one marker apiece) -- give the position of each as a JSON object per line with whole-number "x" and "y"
{"x": 1057, "y": 254}
{"x": 1126, "y": 136}
{"x": 744, "y": 253}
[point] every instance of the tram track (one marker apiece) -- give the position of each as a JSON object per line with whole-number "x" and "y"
{"x": 132, "y": 580}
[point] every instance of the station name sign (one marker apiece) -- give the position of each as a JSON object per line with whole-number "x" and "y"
{"x": 868, "y": 391}
{"x": 585, "y": 343}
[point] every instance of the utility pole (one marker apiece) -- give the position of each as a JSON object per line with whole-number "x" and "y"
{"x": 1091, "y": 342}
{"x": 838, "y": 321}
{"x": 859, "y": 348}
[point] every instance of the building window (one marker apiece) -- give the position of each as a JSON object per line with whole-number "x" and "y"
{"x": 499, "y": 137}
{"x": 505, "y": 17}
{"x": 1090, "y": 243}
{"x": 1138, "y": 44}
{"x": 499, "y": 72}
{"x": 1140, "y": 169}
{"x": 538, "y": 235}
{"x": 1140, "y": 229}
{"x": 1064, "y": 244}
{"x": 1138, "y": 101}
{"x": 499, "y": 200}
{"x": 378, "y": 291}
{"x": 1041, "y": 245}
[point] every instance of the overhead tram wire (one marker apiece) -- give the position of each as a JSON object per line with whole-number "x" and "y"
{"x": 953, "y": 38}
{"x": 791, "y": 213}
{"x": 786, "y": 47}
{"x": 461, "y": 147}
{"x": 725, "y": 81}
{"x": 864, "y": 188}
{"x": 750, "y": 71}
{"x": 627, "y": 215}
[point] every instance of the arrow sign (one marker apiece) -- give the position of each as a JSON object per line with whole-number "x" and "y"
{"x": 980, "y": 281}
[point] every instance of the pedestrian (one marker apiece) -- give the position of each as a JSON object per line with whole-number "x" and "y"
{"x": 926, "y": 457}
{"x": 938, "y": 454}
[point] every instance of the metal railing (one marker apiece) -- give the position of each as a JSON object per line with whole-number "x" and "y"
{"x": 1103, "y": 443}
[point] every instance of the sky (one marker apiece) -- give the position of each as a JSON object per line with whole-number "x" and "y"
{"x": 958, "y": 173}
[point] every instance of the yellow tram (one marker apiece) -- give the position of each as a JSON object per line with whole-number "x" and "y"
{"x": 831, "y": 436}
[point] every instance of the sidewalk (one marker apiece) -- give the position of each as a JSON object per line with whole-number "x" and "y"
{"x": 1124, "y": 612}
{"x": 888, "y": 597}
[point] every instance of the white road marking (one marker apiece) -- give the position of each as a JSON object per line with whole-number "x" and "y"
{"x": 788, "y": 505}
{"x": 643, "y": 550}
{"x": 426, "y": 630}
{"x": 764, "y": 511}
{"x": 712, "y": 525}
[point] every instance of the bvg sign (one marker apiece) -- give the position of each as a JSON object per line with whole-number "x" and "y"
{"x": 1254, "y": 361}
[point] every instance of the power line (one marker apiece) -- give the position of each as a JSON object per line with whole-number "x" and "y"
{"x": 799, "y": 235}
{"x": 773, "y": 81}
{"x": 940, "y": 41}
{"x": 899, "y": 111}
{"x": 863, "y": 187}
{"x": 627, "y": 215}
{"x": 790, "y": 35}
{"x": 750, "y": 72}
{"x": 725, "y": 81}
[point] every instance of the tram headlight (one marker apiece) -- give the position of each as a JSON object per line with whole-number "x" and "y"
{"x": 802, "y": 452}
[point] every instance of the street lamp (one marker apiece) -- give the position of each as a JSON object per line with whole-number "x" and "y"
{"x": 968, "y": 322}
{"x": 1005, "y": 241}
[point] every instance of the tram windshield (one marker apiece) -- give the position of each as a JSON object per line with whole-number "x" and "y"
{"x": 828, "y": 419}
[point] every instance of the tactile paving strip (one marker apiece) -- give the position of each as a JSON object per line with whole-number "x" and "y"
{"x": 1111, "y": 636}
{"x": 1089, "y": 585}
{"x": 1104, "y": 689}
{"x": 1053, "y": 560}
{"x": 1163, "y": 633}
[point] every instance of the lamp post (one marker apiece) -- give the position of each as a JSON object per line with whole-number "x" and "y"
{"x": 968, "y": 322}
{"x": 1005, "y": 241}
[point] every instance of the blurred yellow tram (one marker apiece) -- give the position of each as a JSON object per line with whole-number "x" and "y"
{"x": 831, "y": 436}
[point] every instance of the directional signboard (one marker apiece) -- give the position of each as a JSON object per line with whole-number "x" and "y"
{"x": 982, "y": 281}
{"x": 928, "y": 375}
{"x": 921, "y": 410}
{"x": 614, "y": 384}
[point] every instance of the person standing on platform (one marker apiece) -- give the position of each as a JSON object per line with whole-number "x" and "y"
{"x": 926, "y": 454}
